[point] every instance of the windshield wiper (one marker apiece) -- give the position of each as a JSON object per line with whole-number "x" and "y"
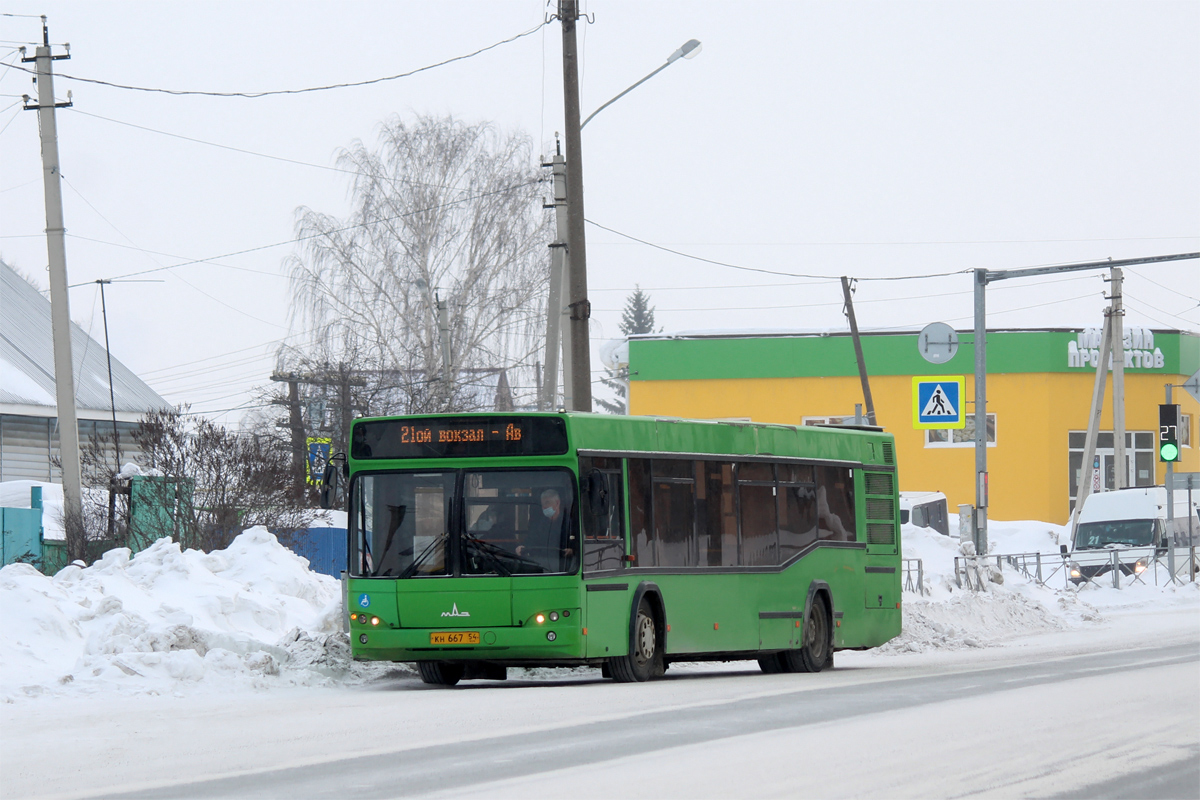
{"x": 419, "y": 560}
{"x": 494, "y": 551}
{"x": 486, "y": 549}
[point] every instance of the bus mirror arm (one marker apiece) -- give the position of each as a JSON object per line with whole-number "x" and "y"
{"x": 329, "y": 479}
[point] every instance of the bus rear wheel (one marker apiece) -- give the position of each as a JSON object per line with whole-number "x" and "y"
{"x": 440, "y": 673}
{"x": 816, "y": 653}
{"x": 645, "y": 660}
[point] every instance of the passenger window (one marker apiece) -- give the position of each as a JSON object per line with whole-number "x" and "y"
{"x": 602, "y": 505}
{"x": 674, "y": 512}
{"x": 835, "y": 504}
{"x": 757, "y": 514}
{"x": 641, "y": 541}
{"x": 797, "y": 518}
{"x": 717, "y": 512}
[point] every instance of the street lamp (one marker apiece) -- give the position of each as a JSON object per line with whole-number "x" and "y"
{"x": 691, "y": 48}
{"x": 568, "y": 275}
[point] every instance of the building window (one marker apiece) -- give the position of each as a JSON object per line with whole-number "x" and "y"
{"x": 1139, "y": 457}
{"x": 961, "y": 437}
{"x": 1185, "y": 430}
{"x": 833, "y": 420}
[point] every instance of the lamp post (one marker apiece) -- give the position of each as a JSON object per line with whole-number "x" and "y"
{"x": 577, "y": 377}
{"x": 690, "y": 49}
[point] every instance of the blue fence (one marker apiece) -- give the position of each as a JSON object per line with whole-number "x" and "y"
{"x": 325, "y": 549}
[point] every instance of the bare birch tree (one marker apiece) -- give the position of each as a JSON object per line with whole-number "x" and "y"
{"x": 440, "y": 204}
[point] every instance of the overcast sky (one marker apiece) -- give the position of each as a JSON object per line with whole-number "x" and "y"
{"x": 864, "y": 139}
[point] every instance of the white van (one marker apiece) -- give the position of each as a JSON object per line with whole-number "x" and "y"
{"x": 1133, "y": 521}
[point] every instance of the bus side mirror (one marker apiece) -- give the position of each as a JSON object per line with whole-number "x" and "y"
{"x": 1062, "y": 549}
{"x": 329, "y": 484}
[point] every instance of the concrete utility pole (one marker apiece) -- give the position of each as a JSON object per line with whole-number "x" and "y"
{"x": 60, "y": 311}
{"x": 1093, "y": 432}
{"x": 981, "y": 473}
{"x": 581, "y": 308}
{"x": 1116, "y": 328}
{"x": 556, "y": 310}
{"x": 858, "y": 353}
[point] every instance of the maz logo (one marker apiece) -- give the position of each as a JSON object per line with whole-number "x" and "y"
{"x": 456, "y": 613}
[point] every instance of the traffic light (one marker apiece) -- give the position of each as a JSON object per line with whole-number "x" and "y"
{"x": 1168, "y": 433}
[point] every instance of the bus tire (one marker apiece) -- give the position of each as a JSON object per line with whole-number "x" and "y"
{"x": 773, "y": 663}
{"x": 440, "y": 673}
{"x": 644, "y": 661}
{"x": 817, "y": 651}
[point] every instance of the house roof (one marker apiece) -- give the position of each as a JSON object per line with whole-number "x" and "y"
{"x": 27, "y": 358}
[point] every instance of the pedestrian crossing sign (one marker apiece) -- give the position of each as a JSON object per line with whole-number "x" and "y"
{"x": 938, "y": 402}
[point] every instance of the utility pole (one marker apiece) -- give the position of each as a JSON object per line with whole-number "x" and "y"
{"x": 581, "y": 309}
{"x": 443, "y": 315}
{"x": 981, "y": 475}
{"x": 295, "y": 424}
{"x": 1116, "y": 315}
{"x": 60, "y": 312}
{"x": 982, "y": 278}
{"x": 347, "y": 408}
{"x": 858, "y": 353}
{"x": 1093, "y": 432}
{"x": 556, "y": 310}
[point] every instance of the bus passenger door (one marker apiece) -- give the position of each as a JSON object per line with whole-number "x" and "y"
{"x": 607, "y": 593}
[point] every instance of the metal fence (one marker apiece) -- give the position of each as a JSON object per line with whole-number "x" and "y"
{"x": 914, "y": 576}
{"x": 1116, "y": 567}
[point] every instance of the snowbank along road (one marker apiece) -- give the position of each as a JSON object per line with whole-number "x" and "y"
{"x": 183, "y": 674}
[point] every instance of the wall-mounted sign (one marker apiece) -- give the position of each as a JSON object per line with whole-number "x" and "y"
{"x": 938, "y": 402}
{"x": 1139, "y": 350}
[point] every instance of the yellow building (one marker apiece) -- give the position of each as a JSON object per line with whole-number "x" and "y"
{"x": 1039, "y": 393}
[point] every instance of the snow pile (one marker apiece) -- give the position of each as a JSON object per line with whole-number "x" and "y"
{"x": 946, "y": 617}
{"x": 250, "y": 616}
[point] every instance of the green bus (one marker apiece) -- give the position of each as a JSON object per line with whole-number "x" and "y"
{"x": 483, "y": 541}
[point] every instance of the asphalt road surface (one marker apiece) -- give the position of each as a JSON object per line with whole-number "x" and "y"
{"x": 1110, "y": 724}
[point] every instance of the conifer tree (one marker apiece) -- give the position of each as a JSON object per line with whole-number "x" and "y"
{"x": 637, "y": 317}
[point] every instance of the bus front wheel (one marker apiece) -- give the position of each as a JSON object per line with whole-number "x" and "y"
{"x": 440, "y": 673}
{"x": 645, "y": 660}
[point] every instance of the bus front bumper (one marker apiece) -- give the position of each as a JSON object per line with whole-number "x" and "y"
{"x": 532, "y": 642}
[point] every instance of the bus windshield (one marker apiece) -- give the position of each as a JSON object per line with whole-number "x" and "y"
{"x": 1122, "y": 533}
{"x": 509, "y": 522}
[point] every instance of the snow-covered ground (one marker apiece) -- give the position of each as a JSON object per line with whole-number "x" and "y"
{"x": 254, "y": 617}
{"x": 178, "y": 666}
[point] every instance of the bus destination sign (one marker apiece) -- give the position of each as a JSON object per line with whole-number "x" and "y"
{"x": 459, "y": 437}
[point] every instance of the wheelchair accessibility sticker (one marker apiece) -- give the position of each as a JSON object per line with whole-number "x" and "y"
{"x": 364, "y": 600}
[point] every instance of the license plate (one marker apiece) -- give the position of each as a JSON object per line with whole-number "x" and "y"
{"x": 454, "y": 637}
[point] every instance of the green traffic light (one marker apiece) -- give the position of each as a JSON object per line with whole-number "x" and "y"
{"x": 1169, "y": 451}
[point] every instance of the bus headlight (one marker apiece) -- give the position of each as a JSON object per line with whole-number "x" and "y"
{"x": 539, "y": 619}
{"x": 1075, "y": 572}
{"x": 1140, "y": 566}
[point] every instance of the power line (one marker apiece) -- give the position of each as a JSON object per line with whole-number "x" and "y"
{"x": 829, "y": 278}
{"x": 243, "y": 150}
{"x": 322, "y": 233}
{"x": 273, "y": 92}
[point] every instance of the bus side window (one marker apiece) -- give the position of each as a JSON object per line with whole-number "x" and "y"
{"x": 641, "y": 543}
{"x": 602, "y": 511}
{"x": 835, "y": 504}
{"x": 716, "y": 512}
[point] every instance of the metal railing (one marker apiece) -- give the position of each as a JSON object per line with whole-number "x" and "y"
{"x": 1128, "y": 565}
{"x": 914, "y": 576}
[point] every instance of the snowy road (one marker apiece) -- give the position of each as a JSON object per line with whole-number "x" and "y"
{"x": 1023, "y": 722}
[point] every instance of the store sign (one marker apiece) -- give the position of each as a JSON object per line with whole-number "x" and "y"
{"x": 1139, "y": 349}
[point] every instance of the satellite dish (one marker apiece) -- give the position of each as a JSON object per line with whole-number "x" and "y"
{"x": 614, "y": 353}
{"x": 937, "y": 343}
